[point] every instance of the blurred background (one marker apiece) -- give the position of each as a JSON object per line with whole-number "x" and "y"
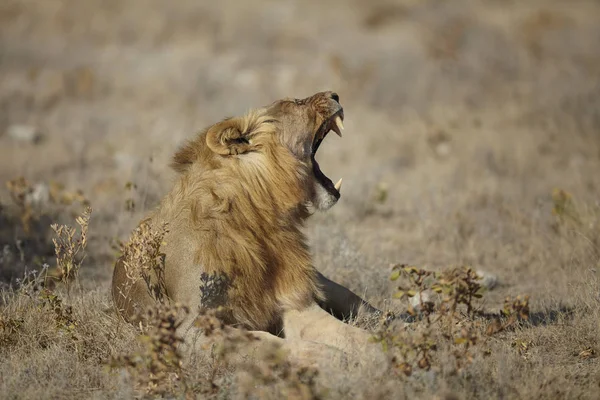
{"x": 462, "y": 118}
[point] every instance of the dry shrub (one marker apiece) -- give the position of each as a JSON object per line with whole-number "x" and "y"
{"x": 20, "y": 189}
{"x": 143, "y": 260}
{"x": 157, "y": 368}
{"x": 31, "y": 297}
{"x": 564, "y": 207}
{"x": 270, "y": 375}
{"x": 160, "y": 369}
{"x": 36, "y": 200}
{"x": 39, "y": 287}
{"x": 50, "y": 327}
{"x": 130, "y": 187}
{"x": 448, "y": 319}
{"x": 63, "y": 314}
{"x": 274, "y": 376}
{"x": 28, "y": 224}
{"x": 9, "y": 329}
{"x": 55, "y": 348}
{"x": 70, "y": 250}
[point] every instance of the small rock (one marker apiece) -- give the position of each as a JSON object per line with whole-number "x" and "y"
{"x": 39, "y": 195}
{"x": 420, "y": 297}
{"x": 488, "y": 281}
{"x": 125, "y": 160}
{"x": 24, "y": 133}
{"x": 443, "y": 149}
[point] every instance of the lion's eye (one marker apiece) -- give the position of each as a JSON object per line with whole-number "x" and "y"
{"x": 298, "y": 102}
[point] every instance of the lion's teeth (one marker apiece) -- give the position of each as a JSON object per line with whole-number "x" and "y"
{"x": 338, "y": 127}
{"x": 339, "y": 123}
{"x": 338, "y": 185}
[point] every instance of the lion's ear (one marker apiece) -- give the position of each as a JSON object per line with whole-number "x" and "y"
{"x": 229, "y": 137}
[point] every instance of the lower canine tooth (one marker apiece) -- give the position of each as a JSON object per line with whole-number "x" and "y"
{"x": 338, "y": 185}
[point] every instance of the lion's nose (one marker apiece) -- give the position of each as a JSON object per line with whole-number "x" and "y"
{"x": 335, "y": 97}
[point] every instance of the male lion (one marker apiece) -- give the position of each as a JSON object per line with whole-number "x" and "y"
{"x": 234, "y": 240}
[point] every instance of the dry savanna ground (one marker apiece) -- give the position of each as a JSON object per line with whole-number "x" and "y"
{"x": 472, "y": 139}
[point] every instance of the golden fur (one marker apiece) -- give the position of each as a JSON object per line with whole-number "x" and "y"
{"x": 236, "y": 211}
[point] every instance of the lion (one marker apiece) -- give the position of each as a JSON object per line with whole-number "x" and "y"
{"x": 244, "y": 188}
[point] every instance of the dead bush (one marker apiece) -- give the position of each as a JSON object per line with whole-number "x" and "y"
{"x": 449, "y": 319}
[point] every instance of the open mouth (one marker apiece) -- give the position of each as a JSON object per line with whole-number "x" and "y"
{"x": 333, "y": 123}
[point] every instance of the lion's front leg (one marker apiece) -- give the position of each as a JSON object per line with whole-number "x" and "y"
{"x": 341, "y": 302}
{"x": 315, "y": 324}
{"x": 237, "y": 346}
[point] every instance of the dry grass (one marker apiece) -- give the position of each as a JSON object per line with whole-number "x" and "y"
{"x": 471, "y": 140}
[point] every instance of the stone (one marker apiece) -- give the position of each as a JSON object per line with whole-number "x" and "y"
{"x": 24, "y": 133}
{"x": 488, "y": 280}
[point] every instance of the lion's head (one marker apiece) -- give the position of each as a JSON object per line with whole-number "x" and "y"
{"x": 274, "y": 146}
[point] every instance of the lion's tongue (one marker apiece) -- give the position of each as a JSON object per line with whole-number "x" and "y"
{"x": 323, "y": 180}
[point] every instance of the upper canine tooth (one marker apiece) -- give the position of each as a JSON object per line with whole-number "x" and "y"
{"x": 339, "y": 126}
{"x": 338, "y": 185}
